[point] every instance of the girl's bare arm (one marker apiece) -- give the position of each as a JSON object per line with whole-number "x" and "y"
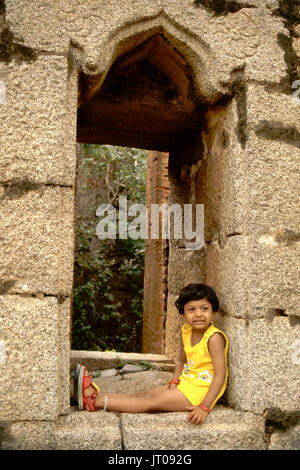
{"x": 180, "y": 361}
{"x": 216, "y": 346}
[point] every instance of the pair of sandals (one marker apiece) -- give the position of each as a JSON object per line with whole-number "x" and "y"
{"x": 83, "y": 381}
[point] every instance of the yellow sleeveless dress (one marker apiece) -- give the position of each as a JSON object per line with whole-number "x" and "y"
{"x": 198, "y": 371}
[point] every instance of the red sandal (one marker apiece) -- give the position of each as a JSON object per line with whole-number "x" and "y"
{"x": 83, "y": 382}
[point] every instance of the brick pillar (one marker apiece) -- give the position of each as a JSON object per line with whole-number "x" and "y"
{"x": 156, "y": 259}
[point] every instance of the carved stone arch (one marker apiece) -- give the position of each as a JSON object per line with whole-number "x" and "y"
{"x": 184, "y": 75}
{"x": 96, "y": 62}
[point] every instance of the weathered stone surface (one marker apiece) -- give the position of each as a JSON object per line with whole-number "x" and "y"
{"x": 28, "y": 324}
{"x": 236, "y": 186}
{"x": 262, "y": 360}
{"x": 288, "y": 439}
{"x": 224, "y": 429}
{"x": 29, "y": 378}
{"x": 173, "y": 325}
{"x": 185, "y": 266}
{"x": 109, "y": 373}
{"x": 37, "y": 239}
{"x": 29, "y": 435}
{"x": 250, "y": 277}
{"x": 220, "y": 176}
{"x": 77, "y": 431}
{"x": 273, "y": 267}
{"x": 273, "y": 164}
{"x": 273, "y": 365}
{"x": 272, "y": 150}
{"x": 226, "y": 266}
{"x": 224, "y": 9}
{"x": 72, "y": 20}
{"x": 267, "y": 103}
{"x": 148, "y": 380}
{"x": 88, "y": 431}
{"x": 245, "y": 37}
{"x": 63, "y": 357}
{"x": 38, "y": 122}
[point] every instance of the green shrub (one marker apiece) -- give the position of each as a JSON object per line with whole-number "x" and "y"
{"x": 108, "y": 282}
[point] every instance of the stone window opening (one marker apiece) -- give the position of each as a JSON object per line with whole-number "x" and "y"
{"x": 147, "y": 100}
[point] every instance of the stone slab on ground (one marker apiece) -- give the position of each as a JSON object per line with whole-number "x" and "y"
{"x": 130, "y": 368}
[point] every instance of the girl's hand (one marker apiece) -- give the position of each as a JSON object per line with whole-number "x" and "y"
{"x": 171, "y": 386}
{"x": 197, "y": 415}
{"x": 173, "y": 383}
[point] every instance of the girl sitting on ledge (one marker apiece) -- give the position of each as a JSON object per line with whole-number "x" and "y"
{"x": 200, "y": 375}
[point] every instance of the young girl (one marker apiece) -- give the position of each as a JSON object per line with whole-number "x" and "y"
{"x": 200, "y": 375}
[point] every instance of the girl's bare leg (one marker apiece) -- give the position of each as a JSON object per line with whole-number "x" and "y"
{"x": 152, "y": 392}
{"x": 160, "y": 399}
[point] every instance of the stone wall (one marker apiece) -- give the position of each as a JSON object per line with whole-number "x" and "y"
{"x": 212, "y": 84}
{"x": 252, "y": 253}
{"x": 37, "y": 170}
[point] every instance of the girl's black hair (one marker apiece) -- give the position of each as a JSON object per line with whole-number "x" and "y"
{"x": 197, "y": 292}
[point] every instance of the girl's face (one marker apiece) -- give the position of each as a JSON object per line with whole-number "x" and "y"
{"x": 198, "y": 314}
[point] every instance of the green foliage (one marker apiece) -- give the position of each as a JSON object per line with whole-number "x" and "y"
{"x": 125, "y": 168}
{"x": 146, "y": 365}
{"x": 108, "y": 281}
{"x": 120, "y": 363}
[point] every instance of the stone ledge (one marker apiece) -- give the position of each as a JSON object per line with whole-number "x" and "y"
{"x": 97, "y": 360}
{"x": 88, "y": 431}
{"x": 224, "y": 429}
{"x": 75, "y": 431}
